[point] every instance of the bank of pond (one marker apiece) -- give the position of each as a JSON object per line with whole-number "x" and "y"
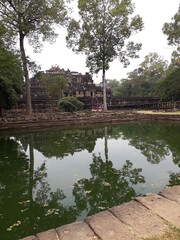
{"x": 53, "y": 177}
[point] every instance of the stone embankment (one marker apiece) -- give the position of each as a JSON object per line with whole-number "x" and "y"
{"x": 18, "y": 120}
{"x": 143, "y": 217}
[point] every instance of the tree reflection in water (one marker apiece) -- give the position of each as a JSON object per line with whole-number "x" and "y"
{"x": 174, "y": 179}
{"x": 155, "y": 141}
{"x": 27, "y": 204}
{"x": 107, "y": 186}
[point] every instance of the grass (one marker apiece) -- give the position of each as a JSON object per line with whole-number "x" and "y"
{"x": 171, "y": 234}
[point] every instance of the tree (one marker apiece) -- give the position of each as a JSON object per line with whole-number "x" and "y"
{"x": 54, "y": 85}
{"x": 113, "y": 85}
{"x": 125, "y": 89}
{"x": 142, "y": 82}
{"x": 172, "y": 30}
{"x": 70, "y": 104}
{"x": 32, "y": 19}
{"x": 169, "y": 88}
{"x": 101, "y": 34}
{"x": 175, "y": 59}
{"x": 150, "y": 71}
{"x": 11, "y": 78}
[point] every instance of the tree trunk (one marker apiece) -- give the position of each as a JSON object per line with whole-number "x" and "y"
{"x": 104, "y": 91}
{"x": 26, "y": 75}
{"x": 106, "y": 144}
{"x": 1, "y": 109}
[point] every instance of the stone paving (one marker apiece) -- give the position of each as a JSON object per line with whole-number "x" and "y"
{"x": 140, "y": 218}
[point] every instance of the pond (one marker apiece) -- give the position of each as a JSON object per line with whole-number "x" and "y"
{"x": 53, "y": 177}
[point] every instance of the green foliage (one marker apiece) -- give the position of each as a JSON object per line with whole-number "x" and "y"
{"x": 102, "y": 33}
{"x": 113, "y": 85}
{"x": 175, "y": 59}
{"x": 172, "y": 30}
{"x": 54, "y": 85}
{"x": 33, "y": 20}
{"x": 70, "y": 104}
{"x": 142, "y": 82}
{"x": 169, "y": 88}
{"x": 11, "y": 79}
{"x": 125, "y": 89}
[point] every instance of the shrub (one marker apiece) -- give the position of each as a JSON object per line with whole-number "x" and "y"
{"x": 70, "y": 104}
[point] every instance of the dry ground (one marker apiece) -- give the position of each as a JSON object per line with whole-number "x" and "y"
{"x": 171, "y": 234}
{"x": 158, "y": 112}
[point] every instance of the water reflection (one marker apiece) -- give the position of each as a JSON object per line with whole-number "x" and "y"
{"x": 59, "y": 143}
{"x": 154, "y": 141}
{"x": 30, "y": 202}
{"x": 174, "y": 179}
{"x": 107, "y": 186}
{"x": 27, "y": 204}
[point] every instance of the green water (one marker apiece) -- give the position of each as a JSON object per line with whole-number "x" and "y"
{"x": 53, "y": 177}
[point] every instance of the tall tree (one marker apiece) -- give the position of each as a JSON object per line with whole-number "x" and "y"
{"x": 33, "y": 20}
{"x": 11, "y": 78}
{"x": 102, "y": 33}
{"x": 172, "y": 30}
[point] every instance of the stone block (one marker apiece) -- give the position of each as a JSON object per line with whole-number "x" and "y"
{"x": 48, "y": 235}
{"x": 172, "y": 193}
{"x": 140, "y": 219}
{"x": 108, "y": 227}
{"x": 76, "y": 231}
{"x": 167, "y": 209}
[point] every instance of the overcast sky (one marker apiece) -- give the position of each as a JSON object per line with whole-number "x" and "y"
{"x": 154, "y": 14}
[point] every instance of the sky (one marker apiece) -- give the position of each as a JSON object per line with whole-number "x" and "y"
{"x": 154, "y": 14}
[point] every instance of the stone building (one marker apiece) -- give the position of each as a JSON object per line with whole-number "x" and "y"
{"x": 79, "y": 85}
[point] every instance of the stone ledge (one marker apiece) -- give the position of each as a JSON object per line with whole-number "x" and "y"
{"x": 142, "y": 217}
{"x": 43, "y": 120}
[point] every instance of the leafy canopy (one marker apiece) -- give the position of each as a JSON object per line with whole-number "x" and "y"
{"x": 11, "y": 78}
{"x": 142, "y": 82}
{"x": 33, "y": 18}
{"x": 169, "y": 88}
{"x": 54, "y": 85}
{"x": 172, "y": 30}
{"x": 102, "y": 32}
{"x": 70, "y": 104}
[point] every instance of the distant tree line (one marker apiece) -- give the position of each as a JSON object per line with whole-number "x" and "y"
{"x": 153, "y": 78}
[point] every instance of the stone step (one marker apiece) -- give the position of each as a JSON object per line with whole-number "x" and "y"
{"x": 172, "y": 193}
{"x": 141, "y": 220}
{"x": 167, "y": 209}
{"x": 76, "y": 231}
{"x": 108, "y": 227}
{"x": 136, "y": 219}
